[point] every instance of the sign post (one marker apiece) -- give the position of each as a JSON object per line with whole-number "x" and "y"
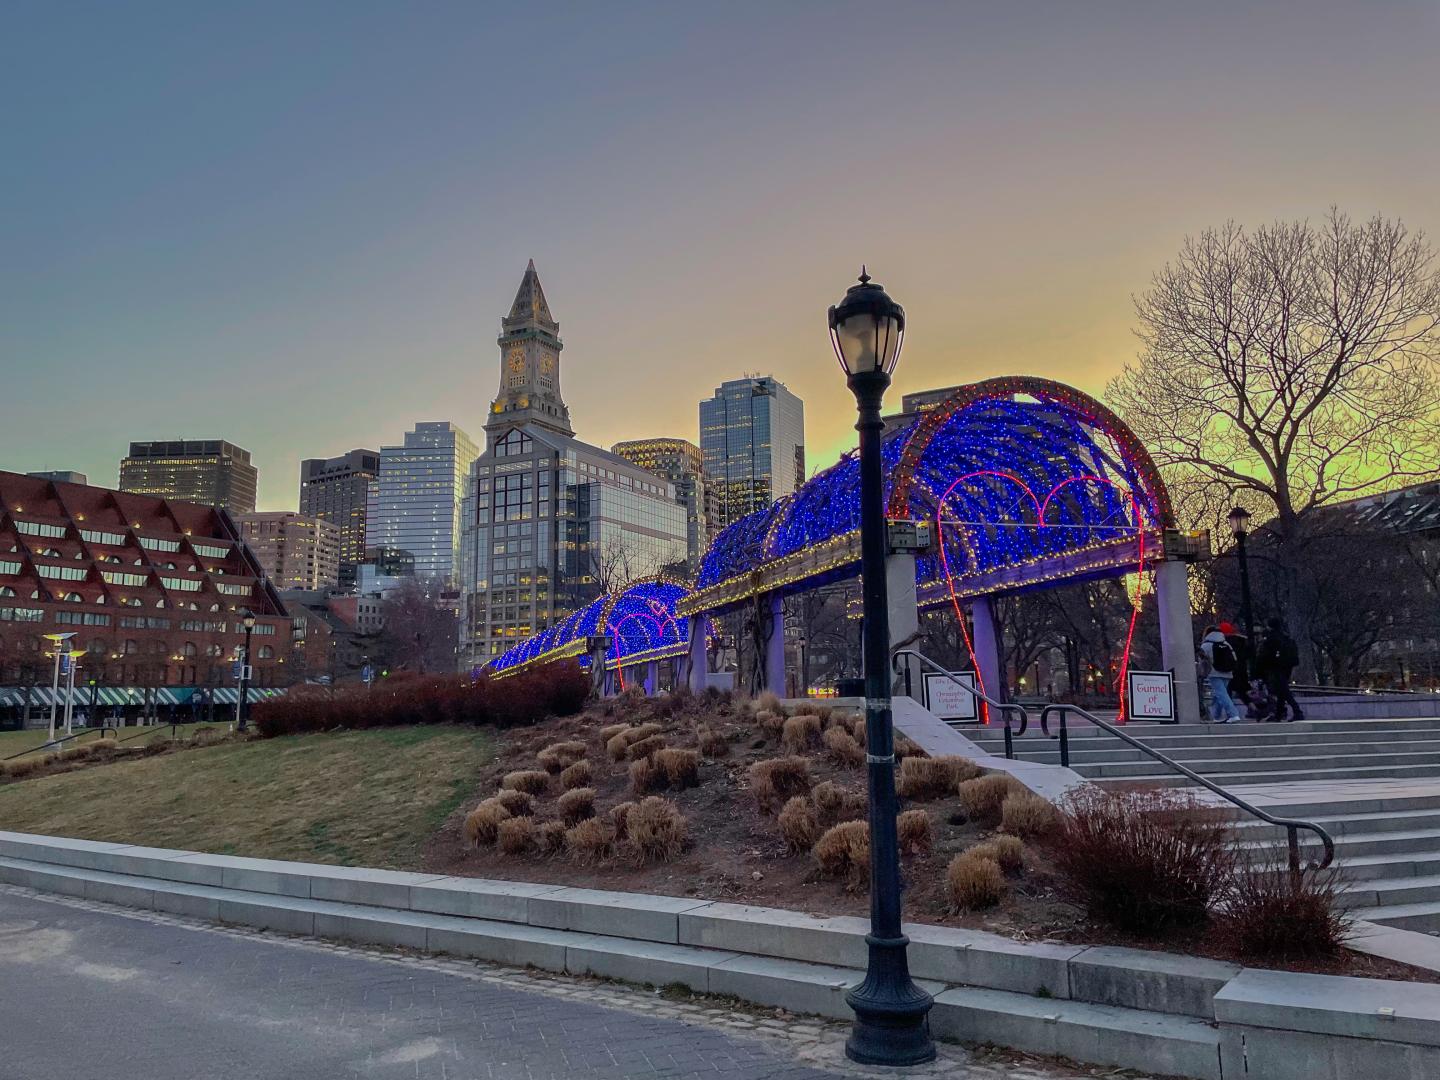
{"x": 1151, "y": 695}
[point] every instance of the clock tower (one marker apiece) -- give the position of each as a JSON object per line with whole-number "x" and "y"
{"x": 529, "y": 365}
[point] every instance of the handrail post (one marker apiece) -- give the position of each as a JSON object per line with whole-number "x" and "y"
{"x": 1294, "y": 857}
{"x": 1009, "y": 738}
{"x": 1064, "y": 741}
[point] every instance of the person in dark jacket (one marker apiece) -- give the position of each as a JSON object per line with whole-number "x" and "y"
{"x": 1240, "y": 689}
{"x": 1278, "y": 657}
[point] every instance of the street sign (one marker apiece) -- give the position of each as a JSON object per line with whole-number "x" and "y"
{"x": 1152, "y": 695}
{"x": 64, "y": 663}
{"x": 948, "y": 701}
{"x": 235, "y": 667}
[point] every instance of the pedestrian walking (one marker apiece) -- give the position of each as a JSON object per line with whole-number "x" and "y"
{"x": 1278, "y": 658}
{"x": 1220, "y": 669}
{"x": 1242, "y": 692}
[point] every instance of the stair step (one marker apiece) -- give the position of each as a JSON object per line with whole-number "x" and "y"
{"x": 1166, "y": 778}
{"x": 1223, "y": 750}
{"x": 1338, "y": 825}
{"x": 1389, "y": 892}
{"x": 1387, "y": 866}
{"x": 1423, "y": 917}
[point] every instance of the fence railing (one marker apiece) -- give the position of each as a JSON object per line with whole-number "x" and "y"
{"x": 1290, "y": 825}
{"x": 53, "y": 743}
{"x": 1005, "y": 708}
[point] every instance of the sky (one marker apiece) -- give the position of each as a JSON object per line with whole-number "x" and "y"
{"x": 296, "y": 226}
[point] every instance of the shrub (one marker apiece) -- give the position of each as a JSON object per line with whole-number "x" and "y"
{"x": 983, "y": 797}
{"x": 772, "y": 723}
{"x": 655, "y": 830}
{"x": 576, "y": 775}
{"x": 857, "y": 729}
{"x": 550, "y": 837}
{"x": 799, "y": 825}
{"x": 530, "y": 781}
{"x": 974, "y": 882}
{"x": 617, "y": 745}
{"x": 681, "y": 767}
{"x": 609, "y": 731}
{"x": 923, "y": 778}
{"x": 770, "y": 702}
{"x": 1275, "y": 917}
{"x": 517, "y": 802}
{"x": 1008, "y": 851}
{"x": 516, "y": 835}
{"x": 1028, "y": 815}
{"x": 712, "y": 743}
{"x": 843, "y": 748}
{"x": 824, "y": 712}
{"x": 558, "y": 689}
{"x": 800, "y": 733}
{"x": 576, "y": 805}
{"x": 590, "y": 841}
{"x": 620, "y": 818}
{"x": 906, "y": 747}
{"x": 482, "y": 823}
{"x": 1143, "y": 861}
{"x": 845, "y": 850}
{"x": 556, "y": 757}
{"x": 28, "y": 766}
{"x": 643, "y": 748}
{"x": 833, "y": 804}
{"x": 644, "y": 777}
{"x": 644, "y": 731}
{"x": 778, "y": 779}
{"x": 917, "y": 834}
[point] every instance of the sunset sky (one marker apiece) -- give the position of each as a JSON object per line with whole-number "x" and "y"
{"x": 296, "y": 225}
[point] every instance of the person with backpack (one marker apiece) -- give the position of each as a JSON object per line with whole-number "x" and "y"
{"x": 1220, "y": 662}
{"x": 1241, "y": 690}
{"x": 1279, "y": 657}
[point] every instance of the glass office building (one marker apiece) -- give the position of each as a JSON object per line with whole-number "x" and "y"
{"x": 418, "y": 498}
{"x": 752, "y": 438}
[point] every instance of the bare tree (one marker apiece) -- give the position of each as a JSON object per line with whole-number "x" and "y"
{"x": 1288, "y": 367}
{"x": 420, "y": 632}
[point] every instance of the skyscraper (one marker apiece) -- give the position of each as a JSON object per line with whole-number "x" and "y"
{"x": 679, "y": 461}
{"x": 335, "y": 490}
{"x": 295, "y": 551}
{"x": 418, "y": 496}
{"x": 210, "y": 472}
{"x": 551, "y": 522}
{"x": 752, "y": 436}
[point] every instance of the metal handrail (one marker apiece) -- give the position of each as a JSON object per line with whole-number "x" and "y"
{"x": 56, "y": 742}
{"x": 1005, "y": 707}
{"x": 1292, "y": 826}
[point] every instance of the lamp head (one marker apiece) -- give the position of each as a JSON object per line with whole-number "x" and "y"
{"x": 867, "y": 328}
{"x": 1239, "y": 519}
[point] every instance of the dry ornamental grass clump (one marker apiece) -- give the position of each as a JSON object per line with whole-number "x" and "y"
{"x": 924, "y": 778}
{"x": 916, "y": 831}
{"x": 770, "y": 702}
{"x": 655, "y": 830}
{"x": 643, "y": 748}
{"x": 557, "y": 756}
{"x": 530, "y": 781}
{"x": 550, "y": 838}
{"x": 590, "y": 841}
{"x": 609, "y": 731}
{"x": 982, "y": 798}
{"x": 617, "y": 745}
{"x": 712, "y": 743}
{"x": 681, "y": 767}
{"x": 800, "y": 733}
{"x": 644, "y": 777}
{"x": 516, "y": 835}
{"x": 974, "y": 882}
{"x": 620, "y": 818}
{"x": 28, "y": 766}
{"x": 1008, "y": 851}
{"x": 576, "y": 775}
{"x": 798, "y": 825}
{"x": 482, "y": 822}
{"x": 842, "y": 748}
{"x": 906, "y": 747}
{"x": 844, "y": 851}
{"x": 778, "y": 779}
{"x": 1276, "y": 917}
{"x": 1028, "y": 815}
{"x": 517, "y": 802}
{"x": 771, "y": 723}
{"x": 834, "y": 804}
{"x": 576, "y": 805}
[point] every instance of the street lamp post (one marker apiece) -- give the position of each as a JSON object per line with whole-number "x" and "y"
{"x": 242, "y": 707}
{"x": 75, "y": 655}
{"x": 1239, "y": 519}
{"x": 892, "y": 1014}
{"x": 59, "y": 645}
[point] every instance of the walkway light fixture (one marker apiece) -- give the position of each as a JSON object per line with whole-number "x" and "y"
{"x": 242, "y": 705}
{"x": 58, "y": 646}
{"x": 1239, "y": 519}
{"x": 892, "y": 1014}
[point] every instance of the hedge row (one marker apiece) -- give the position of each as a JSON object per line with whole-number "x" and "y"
{"x": 555, "y": 690}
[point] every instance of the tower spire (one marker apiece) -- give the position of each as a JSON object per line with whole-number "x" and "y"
{"x": 530, "y": 308}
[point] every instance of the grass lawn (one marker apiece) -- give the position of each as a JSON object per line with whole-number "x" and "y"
{"x": 366, "y": 798}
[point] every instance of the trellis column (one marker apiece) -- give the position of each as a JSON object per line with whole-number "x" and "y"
{"x": 904, "y": 620}
{"x": 697, "y": 672}
{"x": 1177, "y": 637}
{"x": 775, "y": 645}
{"x": 989, "y": 652}
{"x": 652, "y": 677}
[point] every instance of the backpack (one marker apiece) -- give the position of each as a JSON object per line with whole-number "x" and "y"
{"x": 1222, "y": 658}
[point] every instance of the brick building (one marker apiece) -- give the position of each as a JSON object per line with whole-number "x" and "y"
{"x": 153, "y": 589}
{"x": 295, "y": 551}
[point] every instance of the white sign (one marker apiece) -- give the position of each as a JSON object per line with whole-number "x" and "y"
{"x": 1152, "y": 695}
{"x": 948, "y": 701}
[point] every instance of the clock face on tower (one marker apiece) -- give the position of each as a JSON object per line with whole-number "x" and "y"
{"x": 547, "y": 364}
{"x": 515, "y": 359}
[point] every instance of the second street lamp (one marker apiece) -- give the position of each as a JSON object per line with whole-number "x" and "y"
{"x": 1239, "y": 519}
{"x": 242, "y": 705}
{"x": 892, "y": 1014}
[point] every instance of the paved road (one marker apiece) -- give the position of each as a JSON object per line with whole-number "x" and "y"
{"x": 95, "y": 993}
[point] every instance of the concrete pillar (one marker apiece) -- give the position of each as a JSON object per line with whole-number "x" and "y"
{"x": 775, "y": 646}
{"x": 904, "y": 612}
{"x": 697, "y": 668}
{"x": 652, "y": 677}
{"x": 1177, "y": 638}
{"x": 989, "y": 651}
{"x": 598, "y": 677}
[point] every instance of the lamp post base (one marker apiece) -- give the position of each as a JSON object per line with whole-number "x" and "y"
{"x": 892, "y": 1014}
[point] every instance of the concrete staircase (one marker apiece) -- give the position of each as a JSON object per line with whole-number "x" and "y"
{"x": 1374, "y": 785}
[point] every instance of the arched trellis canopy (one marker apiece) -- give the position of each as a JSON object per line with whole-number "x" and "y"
{"x": 1024, "y": 481}
{"x": 640, "y": 623}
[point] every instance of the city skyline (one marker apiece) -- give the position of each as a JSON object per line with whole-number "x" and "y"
{"x": 320, "y": 253}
